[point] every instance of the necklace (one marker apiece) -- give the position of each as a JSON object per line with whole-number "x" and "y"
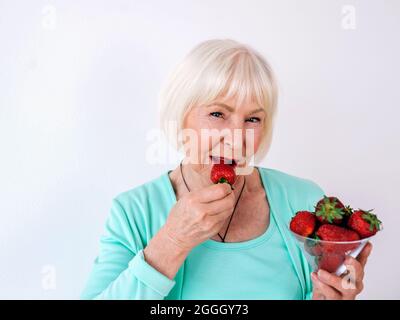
{"x": 237, "y": 201}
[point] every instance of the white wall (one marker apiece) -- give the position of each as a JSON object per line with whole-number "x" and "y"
{"x": 78, "y": 86}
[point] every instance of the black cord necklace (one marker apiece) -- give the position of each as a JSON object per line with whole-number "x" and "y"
{"x": 237, "y": 201}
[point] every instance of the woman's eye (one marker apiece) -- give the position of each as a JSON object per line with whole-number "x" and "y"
{"x": 253, "y": 119}
{"x": 216, "y": 114}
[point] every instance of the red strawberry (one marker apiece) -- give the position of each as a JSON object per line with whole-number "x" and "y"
{"x": 303, "y": 223}
{"x": 313, "y": 247}
{"x": 330, "y": 210}
{"x": 221, "y": 173}
{"x": 365, "y": 223}
{"x": 330, "y": 232}
{"x": 330, "y": 262}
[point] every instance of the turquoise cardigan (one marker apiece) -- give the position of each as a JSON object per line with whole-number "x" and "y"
{"x": 119, "y": 272}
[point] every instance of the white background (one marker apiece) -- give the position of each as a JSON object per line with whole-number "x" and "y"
{"x": 78, "y": 94}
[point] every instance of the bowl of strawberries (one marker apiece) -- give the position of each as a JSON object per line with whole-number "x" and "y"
{"x": 333, "y": 231}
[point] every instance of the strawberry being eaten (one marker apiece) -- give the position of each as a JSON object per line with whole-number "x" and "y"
{"x": 223, "y": 171}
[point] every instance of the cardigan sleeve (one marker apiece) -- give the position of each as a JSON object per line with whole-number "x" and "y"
{"x": 119, "y": 270}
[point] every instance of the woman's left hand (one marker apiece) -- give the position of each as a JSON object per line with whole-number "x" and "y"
{"x": 346, "y": 287}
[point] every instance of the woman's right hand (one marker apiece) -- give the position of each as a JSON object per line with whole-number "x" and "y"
{"x": 199, "y": 215}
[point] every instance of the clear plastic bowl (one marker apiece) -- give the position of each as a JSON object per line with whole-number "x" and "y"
{"x": 329, "y": 255}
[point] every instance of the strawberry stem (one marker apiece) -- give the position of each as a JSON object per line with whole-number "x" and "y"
{"x": 372, "y": 219}
{"x": 224, "y": 180}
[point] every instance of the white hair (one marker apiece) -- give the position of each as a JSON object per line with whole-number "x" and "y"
{"x": 213, "y": 69}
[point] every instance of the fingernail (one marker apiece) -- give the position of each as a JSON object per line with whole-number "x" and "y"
{"x": 321, "y": 274}
{"x": 314, "y": 275}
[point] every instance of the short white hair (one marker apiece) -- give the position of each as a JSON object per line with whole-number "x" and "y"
{"x": 214, "y": 69}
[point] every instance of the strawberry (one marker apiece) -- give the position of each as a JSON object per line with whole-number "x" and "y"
{"x": 330, "y": 210}
{"x": 330, "y": 262}
{"x": 303, "y": 223}
{"x": 221, "y": 172}
{"x": 365, "y": 223}
{"x": 313, "y": 247}
{"x": 330, "y": 232}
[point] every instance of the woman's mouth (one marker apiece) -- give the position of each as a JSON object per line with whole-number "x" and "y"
{"x": 219, "y": 160}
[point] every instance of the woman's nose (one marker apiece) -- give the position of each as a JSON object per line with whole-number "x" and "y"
{"x": 233, "y": 140}
{"x": 235, "y": 132}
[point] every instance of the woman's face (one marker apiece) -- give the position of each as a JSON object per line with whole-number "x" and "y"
{"x": 223, "y": 130}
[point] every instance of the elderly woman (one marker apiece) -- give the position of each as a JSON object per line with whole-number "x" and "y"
{"x": 180, "y": 236}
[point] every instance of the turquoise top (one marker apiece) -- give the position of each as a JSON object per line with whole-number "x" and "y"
{"x": 270, "y": 266}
